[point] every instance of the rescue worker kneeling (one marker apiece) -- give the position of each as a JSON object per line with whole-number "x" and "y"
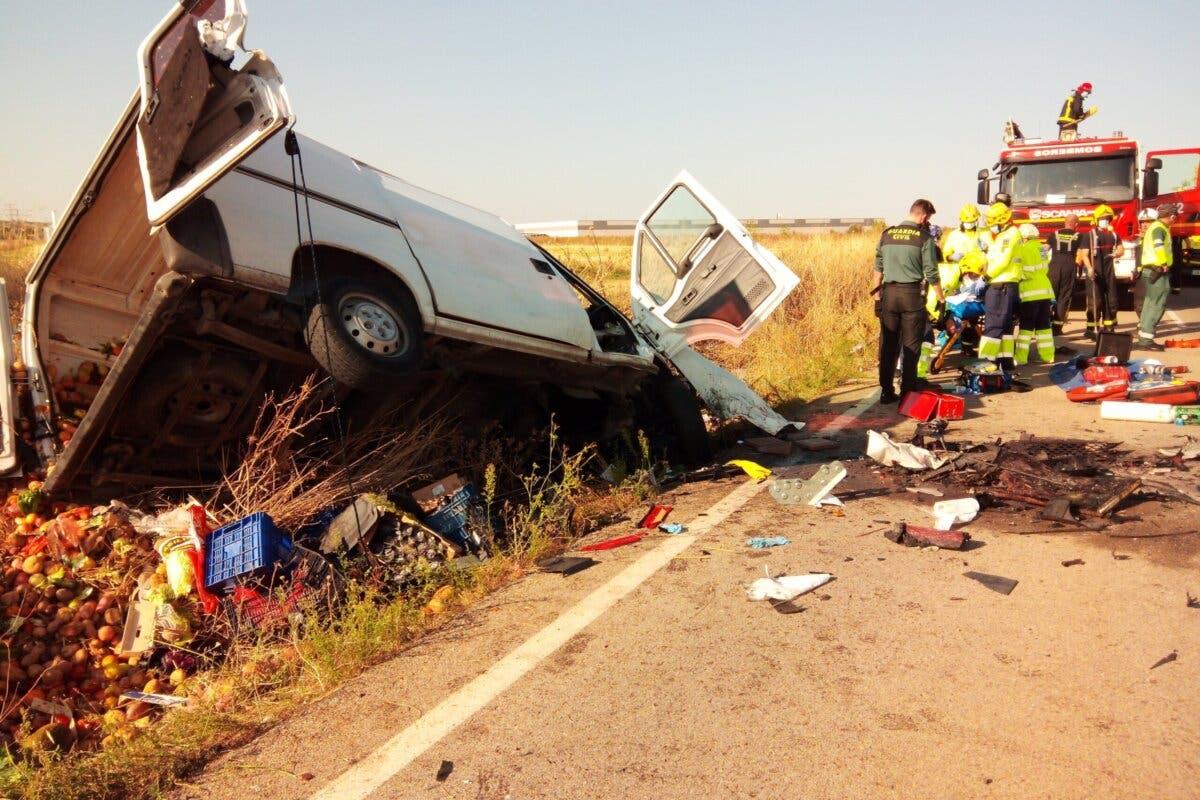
{"x": 1003, "y": 276}
{"x": 1036, "y": 298}
{"x": 961, "y": 287}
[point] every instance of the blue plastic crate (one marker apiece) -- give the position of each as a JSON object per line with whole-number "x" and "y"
{"x": 451, "y": 519}
{"x": 241, "y": 549}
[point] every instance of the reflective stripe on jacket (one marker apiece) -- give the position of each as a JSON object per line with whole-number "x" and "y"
{"x": 1035, "y": 280}
{"x": 1156, "y": 245}
{"x": 1003, "y": 266}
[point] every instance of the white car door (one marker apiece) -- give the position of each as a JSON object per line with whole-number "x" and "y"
{"x": 199, "y": 115}
{"x": 697, "y": 275}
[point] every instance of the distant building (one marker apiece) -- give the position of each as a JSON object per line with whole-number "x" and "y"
{"x": 572, "y": 228}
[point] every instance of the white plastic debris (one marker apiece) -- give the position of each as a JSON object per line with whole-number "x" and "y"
{"x": 785, "y": 587}
{"x": 882, "y": 449}
{"x": 831, "y": 500}
{"x": 948, "y": 513}
{"x": 1188, "y": 452}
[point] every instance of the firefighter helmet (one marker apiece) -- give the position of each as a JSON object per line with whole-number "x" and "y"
{"x": 999, "y": 214}
{"x": 968, "y": 213}
{"x": 1103, "y": 211}
{"x": 1084, "y": 87}
{"x": 974, "y": 261}
{"x": 1028, "y": 230}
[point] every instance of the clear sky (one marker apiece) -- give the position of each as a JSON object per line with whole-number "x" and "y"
{"x": 540, "y": 111}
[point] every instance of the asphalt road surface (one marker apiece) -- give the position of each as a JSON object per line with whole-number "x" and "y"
{"x": 651, "y": 675}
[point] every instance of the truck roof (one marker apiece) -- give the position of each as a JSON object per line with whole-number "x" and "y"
{"x": 1054, "y": 149}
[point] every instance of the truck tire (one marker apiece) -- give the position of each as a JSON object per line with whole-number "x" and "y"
{"x": 677, "y": 401}
{"x": 365, "y": 335}
{"x": 200, "y": 398}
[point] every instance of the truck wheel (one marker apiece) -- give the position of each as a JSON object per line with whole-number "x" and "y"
{"x": 678, "y": 404}
{"x": 200, "y": 399}
{"x": 361, "y": 333}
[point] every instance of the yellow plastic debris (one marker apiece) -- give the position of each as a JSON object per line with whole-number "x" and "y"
{"x": 755, "y": 471}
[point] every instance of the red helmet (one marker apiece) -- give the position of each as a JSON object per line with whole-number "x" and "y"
{"x": 1084, "y": 87}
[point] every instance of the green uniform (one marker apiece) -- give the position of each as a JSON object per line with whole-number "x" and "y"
{"x": 1156, "y": 263}
{"x": 907, "y": 254}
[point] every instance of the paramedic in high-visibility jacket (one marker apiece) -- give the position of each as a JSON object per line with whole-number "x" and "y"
{"x": 1157, "y": 259}
{"x": 1036, "y": 295}
{"x": 967, "y": 237}
{"x": 905, "y": 259}
{"x": 1003, "y": 277}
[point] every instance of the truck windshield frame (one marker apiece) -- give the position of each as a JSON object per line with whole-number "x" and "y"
{"x": 1106, "y": 179}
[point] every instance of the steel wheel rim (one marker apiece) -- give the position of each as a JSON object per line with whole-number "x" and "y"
{"x": 373, "y": 325}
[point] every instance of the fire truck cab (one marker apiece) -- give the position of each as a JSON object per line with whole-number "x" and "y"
{"x": 1045, "y": 180}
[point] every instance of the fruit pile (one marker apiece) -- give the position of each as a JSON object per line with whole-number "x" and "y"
{"x": 68, "y": 575}
{"x": 74, "y": 394}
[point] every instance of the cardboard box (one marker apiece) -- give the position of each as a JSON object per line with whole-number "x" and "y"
{"x": 430, "y": 497}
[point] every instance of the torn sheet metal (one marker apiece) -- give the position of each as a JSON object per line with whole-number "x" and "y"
{"x": 726, "y": 395}
{"x": 794, "y": 491}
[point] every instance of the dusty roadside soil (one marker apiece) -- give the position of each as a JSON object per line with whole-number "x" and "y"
{"x": 901, "y": 678}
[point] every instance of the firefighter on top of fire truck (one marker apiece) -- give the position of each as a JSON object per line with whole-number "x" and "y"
{"x": 1157, "y": 259}
{"x": 1074, "y": 113}
{"x": 1099, "y": 251}
{"x": 1036, "y": 297}
{"x": 967, "y": 237}
{"x": 1003, "y": 276}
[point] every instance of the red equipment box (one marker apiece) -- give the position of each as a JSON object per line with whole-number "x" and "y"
{"x": 924, "y": 406}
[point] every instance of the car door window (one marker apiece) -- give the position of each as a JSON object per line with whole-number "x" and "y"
{"x": 678, "y": 224}
{"x": 657, "y": 276}
{"x": 1179, "y": 173}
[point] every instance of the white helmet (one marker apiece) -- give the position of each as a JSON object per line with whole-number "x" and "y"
{"x": 1148, "y": 214}
{"x": 1028, "y": 230}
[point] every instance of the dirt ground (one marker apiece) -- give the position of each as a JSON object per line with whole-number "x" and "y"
{"x": 900, "y": 678}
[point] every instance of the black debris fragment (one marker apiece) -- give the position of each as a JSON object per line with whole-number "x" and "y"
{"x": 1074, "y": 562}
{"x": 996, "y": 583}
{"x": 1167, "y": 659}
{"x": 444, "y": 770}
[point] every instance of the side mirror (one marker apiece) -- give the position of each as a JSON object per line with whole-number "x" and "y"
{"x": 1150, "y": 184}
{"x": 982, "y": 193}
{"x": 983, "y": 175}
{"x": 1153, "y": 163}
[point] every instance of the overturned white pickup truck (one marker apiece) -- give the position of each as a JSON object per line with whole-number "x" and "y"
{"x": 211, "y": 253}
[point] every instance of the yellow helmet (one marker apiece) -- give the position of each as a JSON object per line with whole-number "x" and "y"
{"x": 999, "y": 214}
{"x": 1103, "y": 211}
{"x": 968, "y": 213}
{"x": 974, "y": 261}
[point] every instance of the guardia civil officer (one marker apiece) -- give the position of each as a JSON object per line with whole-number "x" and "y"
{"x": 905, "y": 259}
{"x": 1157, "y": 259}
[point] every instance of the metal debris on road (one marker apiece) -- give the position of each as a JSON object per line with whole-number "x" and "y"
{"x": 1074, "y": 562}
{"x": 566, "y": 565}
{"x": 1167, "y": 659}
{"x": 996, "y": 583}
{"x": 811, "y": 491}
{"x": 444, "y": 771}
{"x": 882, "y": 449}
{"x": 916, "y": 536}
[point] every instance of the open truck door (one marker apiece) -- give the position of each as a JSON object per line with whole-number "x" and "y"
{"x": 9, "y": 463}
{"x": 697, "y": 275}
{"x": 199, "y": 114}
{"x": 1173, "y": 176}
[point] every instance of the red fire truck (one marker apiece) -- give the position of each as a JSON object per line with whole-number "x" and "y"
{"x": 1045, "y": 180}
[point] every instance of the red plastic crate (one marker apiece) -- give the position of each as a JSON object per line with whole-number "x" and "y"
{"x": 924, "y": 406}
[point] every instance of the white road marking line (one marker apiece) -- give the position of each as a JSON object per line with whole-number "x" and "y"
{"x": 402, "y": 749}
{"x": 851, "y": 414}
{"x": 1171, "y": 315}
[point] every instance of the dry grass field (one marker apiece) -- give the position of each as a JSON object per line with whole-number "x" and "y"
{"x": 824, "y": 333}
